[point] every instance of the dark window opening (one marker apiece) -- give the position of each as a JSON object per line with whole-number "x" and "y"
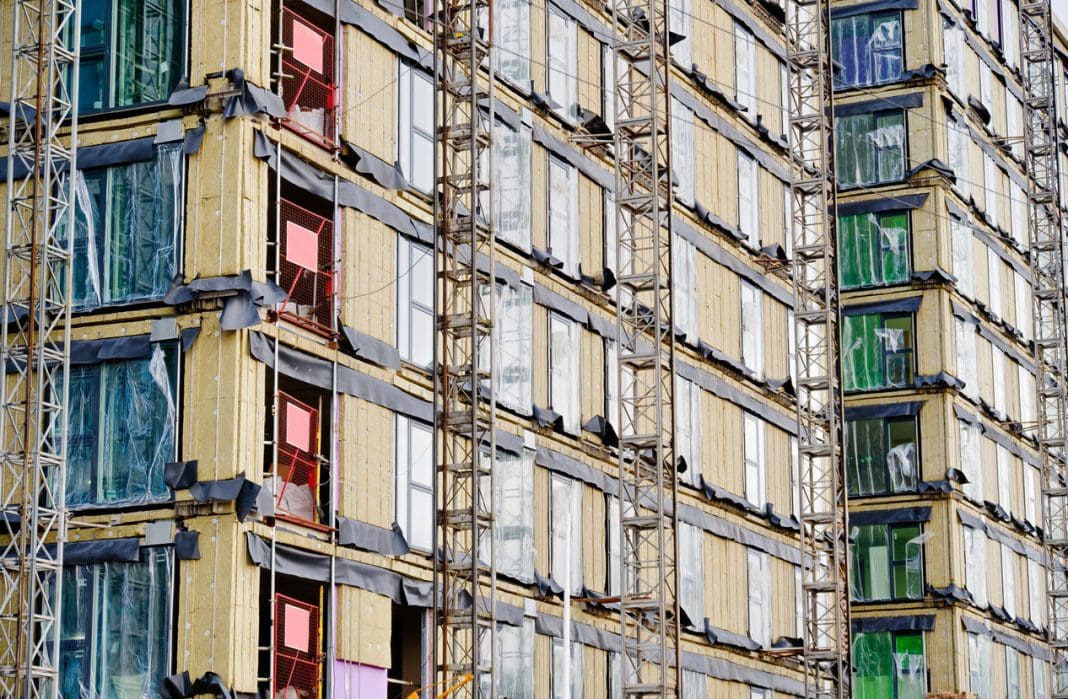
{"x": 408, "y": 650}
{"x": 882, "y": 456}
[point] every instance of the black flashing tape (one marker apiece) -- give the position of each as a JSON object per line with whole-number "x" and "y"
{"x": 371, "y": 348}
{"x": 721, "y": 388}
{"x": 873, "y": 206}
{"x": 368, "y": 537}
{"x": 239, "y": 489}
{"x": 126, "y": 550}
{"x": 187, "y": 546}
{"x": 912, "y": 100}
{"x": 1035, "y": 650}
{"x": 869, "y": 412}
{"x": 370, "y": 165}
{"x": 896, "y": 516}
{"x": 192, "y": 140}
{"x": 997, "y": 534}
{"x": 921, "y": 622}
{"x": 875, "y": 6}
{"x": 115, "y": 348}
{"x": 180, "y": 475}
{"x": 906, "y": 305}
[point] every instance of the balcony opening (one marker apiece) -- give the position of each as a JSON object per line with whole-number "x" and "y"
{"x": 307, "y": 84}
{"x": 300, "y": 480}
{"x": 306, "y": 260}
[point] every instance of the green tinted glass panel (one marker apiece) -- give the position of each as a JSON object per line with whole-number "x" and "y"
{"x": 893, "y": 240}
{"x": 908, "y": 576}
{"x": 873, "y": 660}
{"x": 871, "y": 563}
{"x": 862, "y": 356}
{"x": 897, "y": 345}
{"x": 902, "y": 462}
{"x": 888, "y": 140}
{"x": 865, "y": 457}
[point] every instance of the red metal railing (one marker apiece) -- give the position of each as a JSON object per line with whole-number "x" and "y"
{"x": 306, "y": 272}
{"x": 296, "y": 649}
{"x": 296, "y": 492}
{"x": 308, "y": 87}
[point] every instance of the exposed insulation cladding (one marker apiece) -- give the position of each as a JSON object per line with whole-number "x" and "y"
{"x": 189, "y": 348}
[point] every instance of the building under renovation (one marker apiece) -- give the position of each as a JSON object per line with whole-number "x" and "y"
{"x": 534, "y": 348}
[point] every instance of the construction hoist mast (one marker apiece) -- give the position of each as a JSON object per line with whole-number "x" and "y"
{"x": 1048, "y": 309}
{"x": 824, "y": 517}
{"x": 464, "y": 391}
{"x": 649, "y": 608}
{"x": 34, "y": 341}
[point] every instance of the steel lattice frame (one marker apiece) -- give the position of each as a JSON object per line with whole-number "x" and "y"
{"x": 1048, "y": 313}
{"x": 824, "y": 517}
{"x": 34, "y": 345}
{"x": 465, "y": 390}
{"x": 649, "y": 608}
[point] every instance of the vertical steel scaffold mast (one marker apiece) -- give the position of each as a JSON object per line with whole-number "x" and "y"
{"x": 34, "y": 343}
{"x": 649, "y": 610}
{"x": 465, "y": 393}
{"x": 1048, "y": 309}
{"x": 824, "y": 517}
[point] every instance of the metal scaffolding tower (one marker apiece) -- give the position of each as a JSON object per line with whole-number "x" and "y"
{"x": 34, "y": 342}
{"x": 824, "y": 517}
{"x": 465, "y": 392}
{"x": 649, "y": 608}
{"x": 1048, "y": 312}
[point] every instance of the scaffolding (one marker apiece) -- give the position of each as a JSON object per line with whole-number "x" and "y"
{"x": 34, "y": 341}
{"x": 1048, "y": 309}
{"x": 823, "y": 504}
{"x": 648, "y": 486}
{"x": 465, "y": 395}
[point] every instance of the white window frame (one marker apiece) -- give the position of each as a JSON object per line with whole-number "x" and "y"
{"x": 975, "y": 545}
{"x": 1032, "y": 484}
{"x": 511, "y": 152}
{"x": 961, "y": 244}
{"x": 415, "y": 90}
{"x": 758, "y": 571}
{"x": 1039, "y": 674}
{"x": 688, "y": 428}
{"x": 415, "y": 278}
{"x": 745, "y": 70}
{"x": 752, "y": 317}
{"x": 684, "y": 284}
{"x": 784, "y": 100}
{"x": 755, "y": 456}
{"x": 680, "y": 22}
{"x": 1012, "y": 673}
{"x": 979, "y": 665}
{"x": 952, "y": 45}
{"x": 692, "y": 573}
{"x": 563, "y": 216}
{"x": 970, "y": 441}
{"x": 514, "y": 327}
{"x": 964, "y": 344}
{"x": 561, "y": 62}
{"x": 565, "y": 380}
{"x": 409, "y": 484}
{"x": 1008, "y": 580}
{"x": 788, "y": 221}
{"x": 682, "y": 151}
{"x": 1036, "y": 593}
{"x": 577, "y": 669}
{"x": 561, "y": 511}
{"x": 1026, "y": 381}
{"x": 1022, "y": 299}
{"x": 749, "y": 199}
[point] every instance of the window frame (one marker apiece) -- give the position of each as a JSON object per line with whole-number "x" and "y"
{"x": 692, "y": 573}
{"x": 879, "y": 154}
{"x": 886, "y": 355}
{"x": 569, "y": 405}
{"x": 576, "y": 497}
{"x": 761, "y": 581}
{"x": 893, "y": 637}
{"x": 885, "y": 427}
{"x": 567, "y": 112}
{"x": 745, "y": 41}
{"x": 893, "y": 564}
{"x": 407, "y": 305}
{"x": 407, "y": 131}
{"x": 569, "y": 254}
{"x": 751, "y": 349}
{"x": 404, "y": 483}
{"x": 878, "y": 270}
{"x": 872, "y": 18}
{"x": 755, "y": 465}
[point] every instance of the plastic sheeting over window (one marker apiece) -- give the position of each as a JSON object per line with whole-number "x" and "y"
{"x": 684, "y": 285}
{"x": 513, "y": 41}
{"x": 877, "y": 351}
{"x": 514, "y": 523}
{"x": 870, "y": 148}
{"x": 565, "y": 342}
{"x": 688, "y": 428}
{"x": 565, "y": 506}
{"x": 128, "y": 221}
{"x": 515, "y": 648}
{"x": 886, "y": 562}
{"x": 121, "y": 430}
{"x": 868, "y": 49}
{"x": 115, "y": 634}
{"x": 975, "y": 564}
{"x": 979, "y": 674}
{"x": 560, "y": 691}
{"x": 881, "y": 456}
{"x": 691, "y": 572}
{"x": 511, "y": 160}
{"x": 874, "y": 249}
{"x": 889, "y": 664}
{"x": 514, "y": 338}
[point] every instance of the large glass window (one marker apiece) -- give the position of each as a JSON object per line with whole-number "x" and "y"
{"x": 132, "y": 52}
{"x": 882, "y": 456}
{"x": 562, "y": 63}
{"x": 758, "y": 569}
{"x": 979, "y": 674}
{"x": 512, "y": 41}
{"x": 975, "y": 572}
{"x": 867, "y": 48}
{"x": 877, "y": 351}
{"x": 511, "y": 160}
{"x": 752, "y": 315}
{"x": 415, "y": 302}
{"x": 563, "y": 203}
{"x": 513, "y": 525}
{"x": 692, "y": 573}
{"x": 889, "y": 665}
{"x": 116, "y": 627}
{"x": 886, "y": 562}
{"x": 749, "y": 199}
{"x": 874, "y": 249}
{"x": 121, "y": 429}
{"x": 513, "y": 335}
{"x": 415, "y": 127}
{"x": 682, "y": 155}
{"x": 414, "y": 492}
{"x": 565, "y": 505}
{"x": 754, "y": 453}
{"x": 684, "y": 285}
{"x": 688, "y": 428}
{"x": 128, "y": 223}
{"x": 870, "y": 148}
{"x": 565, "y": 343}
{"x": 745, "y": 69}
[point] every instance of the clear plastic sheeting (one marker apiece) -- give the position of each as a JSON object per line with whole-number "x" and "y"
{"x": 876, "y": 351}
{"x": 881, "y": 456}
{"x": 889, "y": 664}
{"x": 121, "y": 430}
{"x": 514, "y": 522}
{"x": 870, "y": 148}
{"x": 886, "y": 562}
{"x": 874, "y": 249}
{"x": 514, "y": 337}
{"x": 511, "y": 160}
{"x": 115, "y": 634}
{"x": 867, "y": 48}
{"x": 979, "y": 674}
{"x": 128, "y": 220}
{"x": 512, "y": 18}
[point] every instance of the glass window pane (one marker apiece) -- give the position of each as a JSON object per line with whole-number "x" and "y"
{"x": 893, "y": 241}
{"x": 866, "y": 457}
{"x": 901, "y": 458}
{"x": 871, "y": 563}
{"x": 874, "y": 667}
